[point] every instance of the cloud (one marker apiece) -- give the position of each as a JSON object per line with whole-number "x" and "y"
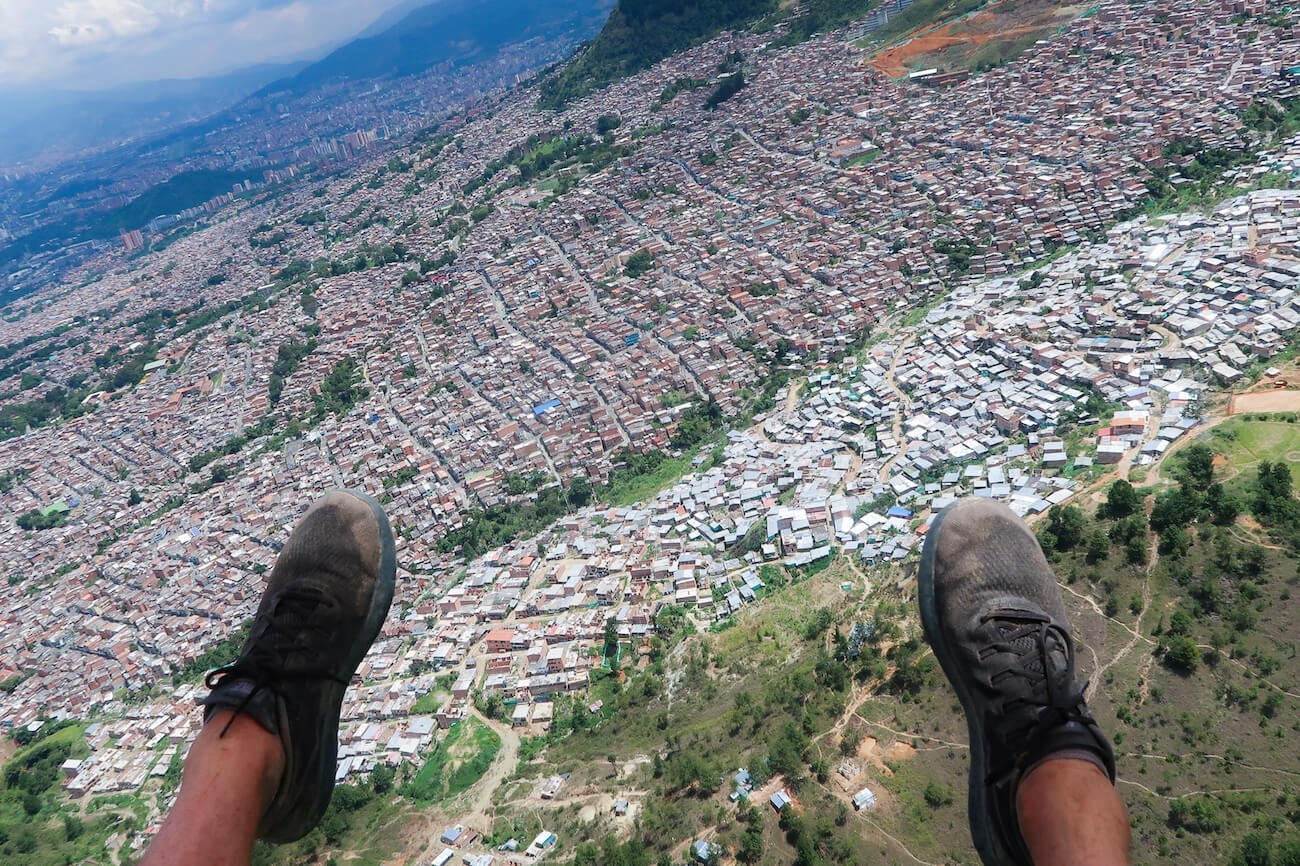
{"x": 86, "y": 22}
{"x": 86, "y": 44}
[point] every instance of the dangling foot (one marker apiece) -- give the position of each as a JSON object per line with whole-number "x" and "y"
{"x": 326, "y": 600}
{"x": 993, "y": 613}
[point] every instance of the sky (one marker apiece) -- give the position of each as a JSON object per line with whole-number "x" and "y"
{"x": 91, "y": 44}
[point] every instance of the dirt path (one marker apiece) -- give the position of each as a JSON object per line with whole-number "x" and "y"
{"x": 478, "y": 811}
{"x": 904, "y": 735}
{"x": 904, "y": 404}
{"x": 1153, "y": 557}
{"x": 897, "y": 842}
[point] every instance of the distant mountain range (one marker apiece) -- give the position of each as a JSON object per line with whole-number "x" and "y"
{"x": 452, "y": 31}
{"x": 65, "y": 122}
{"x": 409, "y": 39}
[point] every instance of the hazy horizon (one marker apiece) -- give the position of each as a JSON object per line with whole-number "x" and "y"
{"x": 89, "y": 46}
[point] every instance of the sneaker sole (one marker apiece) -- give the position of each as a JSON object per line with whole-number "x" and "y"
{"x": 990, "y": 851}
{"x": 382, "y": 600}
{"x": 303, "y": 819}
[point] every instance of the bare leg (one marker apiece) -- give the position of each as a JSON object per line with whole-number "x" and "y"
{"x": 1071, "y": 815}
{"x": 227, "y": 785}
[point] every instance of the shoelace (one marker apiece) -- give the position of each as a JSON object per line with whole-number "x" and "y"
{"x": 295, "y": 611}
{"x": 1053, "y": 697}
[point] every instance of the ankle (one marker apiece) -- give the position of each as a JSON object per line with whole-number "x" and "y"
{"x": 238, "y": 732}
{"x": 1071, "y": 815}
{"x": 1086, "y": 756}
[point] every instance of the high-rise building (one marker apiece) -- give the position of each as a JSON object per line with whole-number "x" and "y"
{"x": 133, "y": 240}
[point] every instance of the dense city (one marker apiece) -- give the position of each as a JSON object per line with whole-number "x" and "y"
{"x": 816, "y": 312}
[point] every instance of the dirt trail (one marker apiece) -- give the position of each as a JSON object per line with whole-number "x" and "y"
{"x": 478, "y": 812}
{"x": 1153, "y": 557}
{"x": 904, "y": 406}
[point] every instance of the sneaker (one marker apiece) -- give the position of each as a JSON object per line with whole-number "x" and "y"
{"x": 326, "y": 599}
{"x": 993, "y": 613}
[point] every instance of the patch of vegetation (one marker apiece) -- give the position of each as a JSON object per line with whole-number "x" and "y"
{"x": 865, "y": 158}
{"x": 36, "y": 825}
{"x": 287, "y": 360}
{"x": 234, "y": 444}
{"x": 460, "y": 760}
{"x": 959, "y": 252}
{"x": 639, "y": 263}
{"x": 492, "y": 527}
{"x": 678, "y": 86}
{"x": 728, "y": 87}
{"x": 361, "y": 819}
{"x": 222, "y": 653}
{"x": 65, "y": 403}
{"x": 640, "y": 33}
{"x": 38, "y": 520}
{"x": 341, "y": 390}
{"x": 922, "y": 13}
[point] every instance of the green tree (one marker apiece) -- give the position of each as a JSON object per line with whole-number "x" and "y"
{"x": 1066, "y": 523}
{"x": 1121, "y": 500}
{"x": 1178, "y": 507}
{"x": 639, "y": 263}
{"x": 1098, "y": 547}
{"x": 1198, "y": 814}
{"x": 750, "y": 849}
{"x": 1197, "y": 471}
{"x": 688, "y": 771}
{"x": 1223, "y": 506}
{"x": 1174, "y": 541}
{"x": 611, "y": 643}
{"x": 937, "y": 795}
{"x": 381, "y": 779}
{"x": 1181, "y": 653}
{"x": 73, "y": 827}
{"x": 1135, "y": 550}
{"x": 786, "y": 754}
{"x": 1273, "y": 501}
{"x": 580, "y": 492}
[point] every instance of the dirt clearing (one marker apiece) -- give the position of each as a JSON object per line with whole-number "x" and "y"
{"x": 993, "y": 35}
{"x": 1266, "y": 401}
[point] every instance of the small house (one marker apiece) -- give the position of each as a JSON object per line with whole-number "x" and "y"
{"x": 864, "y": 799}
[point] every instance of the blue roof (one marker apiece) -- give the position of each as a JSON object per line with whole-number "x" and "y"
{"x": 546, "y": 407}
{"x": 899, "y": 511}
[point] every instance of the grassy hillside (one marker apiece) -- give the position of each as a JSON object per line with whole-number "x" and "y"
{"x": 640, "y": 33}
{"x": 38, "y": 826}
{"x": 1180, "y": 598}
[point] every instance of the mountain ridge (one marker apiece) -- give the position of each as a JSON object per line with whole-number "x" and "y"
{"x": 453, "y": 31}
{"x": 640, "y": 33}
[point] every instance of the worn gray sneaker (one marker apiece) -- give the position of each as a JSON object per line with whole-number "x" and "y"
{"x": 993, "y": 613}
{"x": 326, "y": 600}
